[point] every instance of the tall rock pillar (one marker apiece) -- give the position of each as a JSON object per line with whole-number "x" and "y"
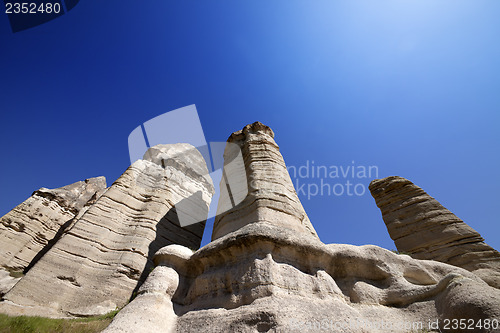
{"x": 425, "y": 229}
{"x": 267, "y": 271}
{"x": 264, "y": 179}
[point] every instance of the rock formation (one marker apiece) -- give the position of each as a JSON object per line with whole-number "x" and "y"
{"x": 423, "y": 228}
{"x": 267, "y": 271}
{"x": 31, "y": 227}
{"x": 107, "y": 252}
{"x": 271, "y": 196}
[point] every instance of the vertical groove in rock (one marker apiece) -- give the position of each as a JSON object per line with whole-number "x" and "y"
{"x": 421, "y": 226}
{"x": 271, "y": 196}
{"x": 105, "y": 254}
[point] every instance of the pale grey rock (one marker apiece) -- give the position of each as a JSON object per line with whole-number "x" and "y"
{"x": 423, "y": 228}
{"x": 269, "y": 195}
{"x": 269, "y": 272}
{"x": 464, "y": 299}
{"x": 152, "y": 310}
{"x": 266, "y": 278}
{"x": 76, "y": 196}
{"x": 28, "y": 229}
{"x": 107, "y": 252}
{"x": 7, "y": 281}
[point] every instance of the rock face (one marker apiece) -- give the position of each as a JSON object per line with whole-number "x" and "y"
{"x": 30, "y": 227}
{"x": 264, "y": 278}
{"x": 271, "y": 196}
{"x": 157, "y": 290}
{"x": 422, "y": 227}
{"x": 267, "y": 271}
{"x": 107, "y": 252}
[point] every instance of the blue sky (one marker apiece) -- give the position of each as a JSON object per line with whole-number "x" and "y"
{"x": 411, "y": 87}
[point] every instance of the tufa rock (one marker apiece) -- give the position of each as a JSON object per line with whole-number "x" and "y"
{"x": 267, "y": 271}
{"x": 265, "y": 278}
{"x": 31, "y": 227}
{"x": 158, "y": 289}
{"x": 422, "y": 227}
{"x": 107, "y": 253}
{"x": 271, "y": 196}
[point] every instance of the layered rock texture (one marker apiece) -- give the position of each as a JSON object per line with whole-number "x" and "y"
{"x": 423, "y": 228}
{"x": 267, "y": 271}
{"x": 31, "y": 227}
{"x": 107, "y": 252}
{"x": 271, "y": 196}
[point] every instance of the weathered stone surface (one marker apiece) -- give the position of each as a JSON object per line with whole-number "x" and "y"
{"x": 268, "y": 272}
{"x": 7, "y": 281}
{"x": 152, "y": 310}
{"x": 422, "y": 227}
{"x": 265, "y": 270}
{"x": 271, "y": 196}
{"x": 266, "y": 278}
{"x": 26, "y": 229}
{"x": 107, "y": 252}
{"x": 29, "y": 228}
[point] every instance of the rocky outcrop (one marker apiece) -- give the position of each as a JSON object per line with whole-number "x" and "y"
{"x": 107, "y": 252}
{"x": 267, "y": 271}
{"x": 264, "y": 271}
{"x": 269, "y": 192}
{"x": 264, "y": 278}
{"x": 28, "y": 229}
{"x": 158, "y": 289}
{"x": 423, "y": 228}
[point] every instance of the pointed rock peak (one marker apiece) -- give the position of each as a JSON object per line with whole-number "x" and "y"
{"x": 74, "y": 196}
{"x": 269, "y": 195}
{"x": 98, "y": 181}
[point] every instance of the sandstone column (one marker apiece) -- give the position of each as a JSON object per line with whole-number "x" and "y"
{"x": 421, "y": 226}
{"x": 271, "y": 196}
{"x": 267, "y": 271}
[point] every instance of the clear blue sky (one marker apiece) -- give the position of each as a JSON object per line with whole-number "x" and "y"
{"x": 410, "y": 86}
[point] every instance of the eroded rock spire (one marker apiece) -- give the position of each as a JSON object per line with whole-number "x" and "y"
{"x": 270, "y": 195}
{"x": 422, "y": 227}
{"x": 267, "y": 271}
